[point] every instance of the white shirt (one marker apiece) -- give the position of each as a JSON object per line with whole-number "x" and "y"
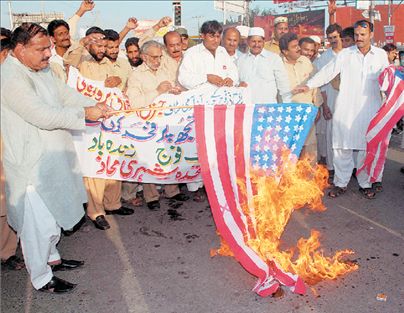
{"x": 265, "y": 74}
{"x": 359, "y": 96}
{"x": 235, "y": 56}
{"x": 331, "y": 92}
{"x": 198, "y": 62}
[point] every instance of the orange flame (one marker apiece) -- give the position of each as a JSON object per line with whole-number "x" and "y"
{"x": 294, "y": 186}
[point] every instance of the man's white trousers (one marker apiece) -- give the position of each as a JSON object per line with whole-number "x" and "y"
{"x": 39, "y": 236}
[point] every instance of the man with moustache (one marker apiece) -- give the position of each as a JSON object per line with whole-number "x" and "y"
{"x": 263, "y": 71}
{"x": 329, "y": 94}
{"x": 317, "y": 40}
{"x": 104, "y": 195}
{"x": 120, "y": 66}
{"x": 230, "y": 41}
{"x": 44, "y": 187}
{"x": 300, "y": 69}
{"x": 281, "y": 27}
{"x": 146, "y": 82}
{"x": 308, "y": 48}
{"x": 357, "y": 103}
{"x": 348, "y": 40}
{"x": 133, "y": 52}
{"x": 173, "y": 54}
{"x": 243, "y": 45}
{"x": 60, "y": 33}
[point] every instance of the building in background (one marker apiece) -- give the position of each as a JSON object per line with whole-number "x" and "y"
{"x": 40, "y": 18}
{"x": 304, "y": 24}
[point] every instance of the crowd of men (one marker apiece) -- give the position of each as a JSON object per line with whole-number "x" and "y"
{"x": 39, "y": 109}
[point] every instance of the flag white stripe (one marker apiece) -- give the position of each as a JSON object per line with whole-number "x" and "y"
{"x": 228, "y": 218}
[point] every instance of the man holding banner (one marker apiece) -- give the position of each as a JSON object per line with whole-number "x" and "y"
{"x": 146, "y": 82}
{"x": 44, "y": 187}
{"x": 90, "y": 58}
{"x": 263, "y": 71}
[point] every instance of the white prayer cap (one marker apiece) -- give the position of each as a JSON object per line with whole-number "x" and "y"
{"x": 316, "y": 39}
{"x": 256, "y": 31}
{"x": 243, "y": 30}
{"x": 280, "y": 19}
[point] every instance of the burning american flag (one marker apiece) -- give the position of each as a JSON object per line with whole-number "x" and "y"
{"x": 248, "y": 155}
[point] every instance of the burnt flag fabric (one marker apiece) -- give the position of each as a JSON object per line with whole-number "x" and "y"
{"x": 233, "y": 140}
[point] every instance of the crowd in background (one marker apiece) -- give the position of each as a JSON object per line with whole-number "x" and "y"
{"x": 342, "y": 82}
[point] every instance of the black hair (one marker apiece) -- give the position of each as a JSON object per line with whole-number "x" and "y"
{"x": 95, "y": 30}
{"x": 112, "y": 35}
{"x": 306, "y": 40}
{"x": 285, "y": 39}
{"x": 348, "y": 32}
{"x": 332, "y": 28}
{"x": 55, "y": 24}
{"x": 132, "y": 41}
{"x": 389, "y": 47}
{"x": 24, "y": 33}
{"x": 211, "y": 27}
{"x": 5, "y": 32}
{"x": 5, "y": 43}
{"x": 363, "y": 23}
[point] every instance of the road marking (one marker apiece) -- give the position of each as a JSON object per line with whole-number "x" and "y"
{"x": 393, "y": 232}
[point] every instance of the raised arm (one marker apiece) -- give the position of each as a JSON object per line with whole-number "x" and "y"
{"x": 85, "y": 6}
{"x": 131, "y": 24}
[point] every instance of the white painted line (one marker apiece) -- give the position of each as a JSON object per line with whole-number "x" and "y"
{"x": 393, "y": 232}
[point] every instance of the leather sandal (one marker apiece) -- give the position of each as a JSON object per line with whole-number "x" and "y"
{"x": 336, "y": 192}
{"x": 13, "y": 263}
{"x": 367, "y": 193}
{"x": 377, "y": 186}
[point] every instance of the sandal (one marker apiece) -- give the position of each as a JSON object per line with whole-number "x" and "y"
{"x": 377, "y": 186}
{"x": 13, "y": 263}
{"x": 367, "y": 193}
{"x": 336, "y": 192}
{"x": 136, "y": 202}
{"x": 199, "y": 196}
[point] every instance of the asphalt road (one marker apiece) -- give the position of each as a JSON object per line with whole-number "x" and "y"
{"x": 149, "y": 263}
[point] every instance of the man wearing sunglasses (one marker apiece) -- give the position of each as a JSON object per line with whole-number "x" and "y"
{"x": 357, "y": 103}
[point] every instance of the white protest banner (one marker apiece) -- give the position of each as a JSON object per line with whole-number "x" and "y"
{"x": 152, "y": 146}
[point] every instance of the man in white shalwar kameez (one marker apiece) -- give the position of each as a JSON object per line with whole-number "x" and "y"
{"x": 357, "y": 102}
{"x": 204, "y": 64}
{"x": 263, "y": 71}
{"x": 329, "y": 94}
{"x": 44, "y": 187}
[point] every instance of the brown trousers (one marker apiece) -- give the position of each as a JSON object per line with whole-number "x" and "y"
{"x": 150, "y": 192}
{"x": 103, "y": 194}
{"x": 8, "y": 239}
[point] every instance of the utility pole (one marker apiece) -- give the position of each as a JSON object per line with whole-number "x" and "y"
{"x": 10, "y": 15}
{"x": 390, "y": 1}
{"x": 224, "y": 13}
{"x": 198, "y": 17}
{"x": 372, "y": 11}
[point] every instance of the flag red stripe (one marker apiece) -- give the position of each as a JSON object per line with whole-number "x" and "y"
{"x": 386, "y": 107}
{"x": 239, "y": 253}
{"x": 223, "y": 163}
{"x": 240, "y": 162}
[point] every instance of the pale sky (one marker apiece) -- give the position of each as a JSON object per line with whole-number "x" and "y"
{"x": 114, "y": 14}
